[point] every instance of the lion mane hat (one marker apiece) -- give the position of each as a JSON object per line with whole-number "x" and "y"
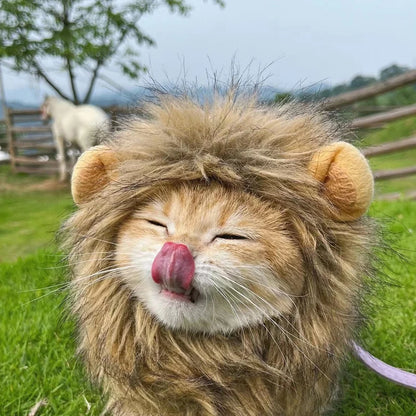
{"x": 291, "y": 155}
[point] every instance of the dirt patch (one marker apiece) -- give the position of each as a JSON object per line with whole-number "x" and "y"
{"x": 50, "y": 185}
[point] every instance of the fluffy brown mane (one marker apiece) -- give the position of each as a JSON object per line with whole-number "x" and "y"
{"x": 288, "y": 370}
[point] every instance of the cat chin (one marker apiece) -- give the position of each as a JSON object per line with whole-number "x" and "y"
{"x": 209, "y": 316}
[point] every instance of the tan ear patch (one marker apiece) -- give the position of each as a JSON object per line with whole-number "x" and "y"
{"x": 346, "y": 178}
{"x": 93, "y": 171}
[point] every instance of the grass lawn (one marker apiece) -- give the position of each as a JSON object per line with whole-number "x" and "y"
{"x": 29, "y": 218}
{"x": 37, "y": 343}
{"x": 37, "y": 347}
{"x": 29, "y": 221}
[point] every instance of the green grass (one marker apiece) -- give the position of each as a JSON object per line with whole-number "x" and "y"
{"x": 19, "y": 179}
{"x": 37, "y": 347}
{"x": 392, "y": 334}
{"x": 28, "y": 221}
{"x": 37, "y": 357}
{"x": 395, "y": 130}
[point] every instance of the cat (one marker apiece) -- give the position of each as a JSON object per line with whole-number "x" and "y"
{"x": 218, "y": 258}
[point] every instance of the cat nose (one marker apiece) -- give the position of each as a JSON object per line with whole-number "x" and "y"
{"x": 191, "y": 241}
{"x": 174, "y": 266}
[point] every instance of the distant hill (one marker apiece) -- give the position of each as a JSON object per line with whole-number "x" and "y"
{"x": 133, "y": 97}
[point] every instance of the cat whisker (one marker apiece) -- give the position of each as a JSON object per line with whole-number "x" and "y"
{"x": 98, "y": 239}
{"x": 95, "y": 281}
{"x": 219, "y": 290}
{"x": 74, "y": 263}
{"x": 236, "y": 301}
{"x": 272, "y": 308}
{"x": 284, "y": 331}
{"x": 106, "y": 270}
{"x": 289, "y": 297}
{"x": 288, "y": 334}
{"x": 66, "y": 285}
{"x": 62, "y": 285}
{"x": 267, "y": 330}
{"x": 257, "y": 282}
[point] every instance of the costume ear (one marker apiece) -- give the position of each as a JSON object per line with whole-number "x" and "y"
{"x": 94, "y": 169}
{"x": 346, "y": 178}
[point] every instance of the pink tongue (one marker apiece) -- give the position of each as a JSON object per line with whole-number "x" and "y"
{"x": 174, "y": 266}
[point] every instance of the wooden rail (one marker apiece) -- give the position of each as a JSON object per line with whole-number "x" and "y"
{"x": 379, "y": 119}
{"x": 25, "y": 112}
{"x": 38, "y": 170}
{"x": 35, "y": 143}
{"x": 36, "y": 162}
{"x": 387, "y": 148}
{"x": 397, "y": 195}
{"x": 34, "y": 140}
{"x": 390, "y": 84}
{"x": 9, "y": 134}
{"x": 394, "y": 173}
{"x": 391, "y": 147}
{"x": 31, "y": 129}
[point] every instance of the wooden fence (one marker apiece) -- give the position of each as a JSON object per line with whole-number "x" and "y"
{"x": 4, "y": 148}
{"x": 390, "y": 84}
{"x": 379, "y": 120}
{"x": 30, "y": 141}
{"x": 32, "y": 149}
{"x": 31, "y": 145}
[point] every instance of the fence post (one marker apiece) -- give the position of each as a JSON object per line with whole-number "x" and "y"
{"x": 9, "y": 134}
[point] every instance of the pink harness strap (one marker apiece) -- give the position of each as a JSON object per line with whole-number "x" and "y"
{"x": 396, "y": 375}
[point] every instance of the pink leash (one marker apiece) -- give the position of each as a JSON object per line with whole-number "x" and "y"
{"x": 396, "y": 375}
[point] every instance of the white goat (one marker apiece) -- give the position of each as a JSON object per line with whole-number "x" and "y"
{"x": 74, "y": 124}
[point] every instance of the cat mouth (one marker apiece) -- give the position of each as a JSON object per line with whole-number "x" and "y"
{"x": 177, "y": 293}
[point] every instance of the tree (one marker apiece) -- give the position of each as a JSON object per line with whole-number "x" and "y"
{"x": 392, "y": 71}
{"x": 360, "y": 81}
{"x": 83, "y": 36}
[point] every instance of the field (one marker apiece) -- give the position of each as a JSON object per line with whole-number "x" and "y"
{"x": 37, "y": 347}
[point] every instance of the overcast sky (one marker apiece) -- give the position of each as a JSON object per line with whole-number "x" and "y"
{"x": 305, "y": 41}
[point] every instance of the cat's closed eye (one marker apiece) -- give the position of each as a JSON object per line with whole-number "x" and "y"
{"x": 157, "y": 223}
{"x": 227, "y": 236}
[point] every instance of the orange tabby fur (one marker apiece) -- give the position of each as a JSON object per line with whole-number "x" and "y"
{"x": 228, "y": 164}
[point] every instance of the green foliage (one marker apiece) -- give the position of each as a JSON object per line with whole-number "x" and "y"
{"x": 360, "y": 81}
{"x": 399, "y": 97}
{"x": 392, "y": 71}
{"x": 79, "y": 34}
{"x": 283, "y": 97}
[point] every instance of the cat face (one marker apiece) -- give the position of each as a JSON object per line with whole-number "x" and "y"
{"x": 209, "y": 259}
